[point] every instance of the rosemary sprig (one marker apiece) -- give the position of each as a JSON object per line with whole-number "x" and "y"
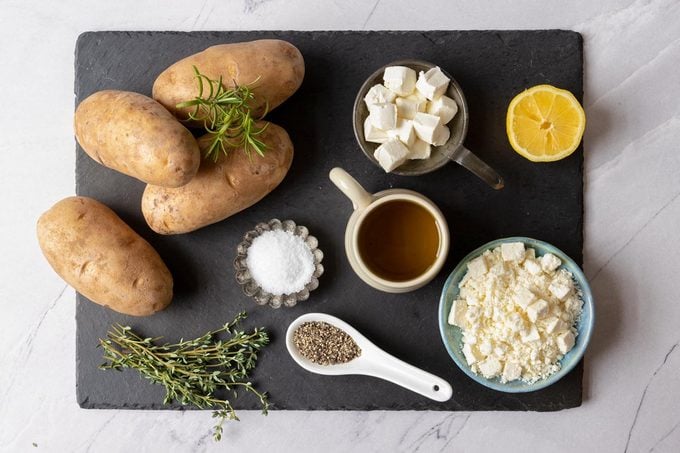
{"x": 225, "y": 113}
{"x": 192, "y": 371}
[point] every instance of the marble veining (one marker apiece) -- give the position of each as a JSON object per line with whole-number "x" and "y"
{"x": 632, "y": 374}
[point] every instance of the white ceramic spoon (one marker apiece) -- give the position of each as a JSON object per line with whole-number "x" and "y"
{"x": 373, "y": 361}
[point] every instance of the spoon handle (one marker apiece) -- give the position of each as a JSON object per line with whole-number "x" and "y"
{"x": 401, "y": 373}
{"x": 467, "y": 159}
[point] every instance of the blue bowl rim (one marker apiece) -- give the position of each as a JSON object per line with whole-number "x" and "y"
{"x": 582, "y": 340}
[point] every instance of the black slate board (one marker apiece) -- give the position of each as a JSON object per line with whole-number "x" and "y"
{"x": 544, "y": 201}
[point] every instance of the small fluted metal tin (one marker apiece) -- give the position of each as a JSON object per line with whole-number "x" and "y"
{"x": 249, "y": 285}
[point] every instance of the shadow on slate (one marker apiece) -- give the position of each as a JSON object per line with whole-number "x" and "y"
{"x": 544, "y": 201}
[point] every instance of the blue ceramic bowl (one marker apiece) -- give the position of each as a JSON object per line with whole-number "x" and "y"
{"x": 452, "y": 335}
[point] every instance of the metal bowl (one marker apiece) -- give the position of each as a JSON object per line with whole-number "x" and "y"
{"x": 441, "y": 155}
{"x": 249, "y": 285}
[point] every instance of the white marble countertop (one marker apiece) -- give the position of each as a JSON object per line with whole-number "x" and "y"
{"x": 632, "y": 245}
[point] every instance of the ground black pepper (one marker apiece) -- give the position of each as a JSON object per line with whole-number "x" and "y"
{"x": 325, "y": 344}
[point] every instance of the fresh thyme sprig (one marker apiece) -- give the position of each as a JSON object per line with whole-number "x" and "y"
{"x": 225, "y": 114}
{"x": 193, "y": 370}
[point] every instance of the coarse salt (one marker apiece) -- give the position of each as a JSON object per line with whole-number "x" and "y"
{"x": 280, "y": 262}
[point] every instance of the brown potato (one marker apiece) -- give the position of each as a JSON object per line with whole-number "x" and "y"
{"x": 220, "y": 189}
{"x": 100, "y": 256}
{"x": 273, "y": 68}
{"x": 135, "y": 135}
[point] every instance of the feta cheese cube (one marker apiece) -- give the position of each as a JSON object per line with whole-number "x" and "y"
{"x": 408, "y": 107}
{"x": 457, "y": 313}
{"x": 532, "y": 266}
{"x": 485, "y": 347}
{"x": 471, "y": 354}
{"x": 391, "y": 154}
{"x": 432, "y": 83}
{"x": 559, "y": 290}
{"x": 404, "y": 132}
{"x": 441, "y": 135}
{"x": 512, "y": 371}
{"x": 490, "y": 368}
{"x": 477, "y": 267}
{"x": 379, "y": 94}
{"x": 383, "y": 116}
{"x": 515, "y": 323}
{"x": 400, "y": 79}
{"x": 524, "y": 297}
{"x": 419, "y": 149}
{"x": 530, "y": 335}
{"x": 444, "y": 107}
{"x": 372, "y": 133}
{"x": 555, "y": 324}
{"x": 513, "y": 251}
{"x": 425, "y": 126}
{"x": 537, "y": 310}
{"x": 550, "y": 262}
{"x": 565, "y": 341}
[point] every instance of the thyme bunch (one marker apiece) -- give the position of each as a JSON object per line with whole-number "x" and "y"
{"x": 225, "y": 114}
{"x": 192, "y": 371}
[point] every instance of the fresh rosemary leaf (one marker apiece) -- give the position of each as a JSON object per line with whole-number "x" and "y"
{"x": 192, "y": 371}
{"x": 225, "y": 113}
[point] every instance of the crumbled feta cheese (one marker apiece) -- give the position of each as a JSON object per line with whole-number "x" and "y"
{"x": 550, "y": 262}
{"x": 513, "y": 251}
{"x": 400, "y": 79}
{"x": 383, "y": 116}
{"x": 419, "y": 149}
{"x": 490, "y": 368}
{"x": 444, "y": 107}
{"x": 513, "y": 317}
{"x": 404, "y": 132}
{"x": 559, "y": 290}
{"x": 378, "y": 94}
{"x": 391, "y": 154}
{"x": 425, "y": 126}
{"x": 457, "y": 313}
{"x": 432, "y": 83}
{"x": 372, "y": 133}
{"x": 565, "y": 341}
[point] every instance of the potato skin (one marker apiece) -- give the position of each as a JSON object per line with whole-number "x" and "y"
{"x": 220, "y": 189}
{"x": 135, "y": 135}
{"x": 100, "y": 256}
{"x": 277, "y": 66}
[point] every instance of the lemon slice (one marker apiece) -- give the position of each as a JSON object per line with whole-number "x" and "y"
{"x": 545, "y": 124}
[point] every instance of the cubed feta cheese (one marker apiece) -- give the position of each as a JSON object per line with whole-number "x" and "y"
{"x": 419, "y": 149}
{"x": 400, "y": 79}
{"x": 444, "y": 107}
{"x": 514, "y": 322}
{"x": 404, "y": 132}
{"x": 559, "y": 290}
{"x": 555, "y": 324}
{"x": 391, "y": 154}
{"x": 565, "y": 341}
{"x": 530, "y": 335}
{"x": 490, "y": 367}
{"x": 532, "y": 266}
{"x": 485, "y": 347}
{"x": 432, "y": 83}
{"x": 512, "y": 371}
{"x": 372, "y": 133}
{"x": 471, "y": 354}
{"x": 524, "y": 297}
{"x": 425, "y": 126}
{"x": 441, "y": 135}
{"x": 550, "y": 262}
{"x": 513, "y": 251}
{"x": 408, "y": 107}
{"x": 379, "y": 94}
{"x": 383, "y": 116}
{"x": 537, "y": 310}
{"x": 477, "y": 267}
{"x": 457, "y": 313}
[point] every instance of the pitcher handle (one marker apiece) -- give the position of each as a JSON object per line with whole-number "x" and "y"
{"x": 351, "y": 188}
